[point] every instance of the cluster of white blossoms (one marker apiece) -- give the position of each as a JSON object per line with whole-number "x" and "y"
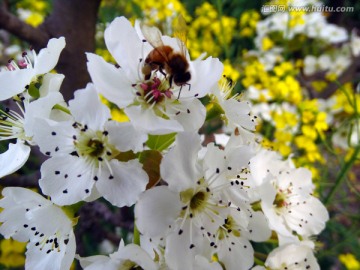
{"x": 336, "y": 47}
{"x": 213, "y": 202}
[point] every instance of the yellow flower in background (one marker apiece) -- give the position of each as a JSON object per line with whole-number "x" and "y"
{"x": 161, "y": 13}
{"x": 32, "y": 12}
{"x": 12, "y": 253}
{"x": 350, "y": 261}
{"x": 346, "y": 99}
{"x": 284, "y": 68}
{"x": 266, "y": 44}
{"x": 321, "y": 124}
{"x": 309, "y": 131}
{"x": 248, "y": 22}
{"x": 105, "y": 54}
{"x": 296, "y": 18}
{"x": 311, "y": 150}
{"x": 331, "y": 77}
{"x": 319, "y": 85}
{"x": 283, "y": 141}
{"x": 34, "y": 19}
{"x": 230, "y": 71}
{"x": 209, "y": 32}
{"x": 285, "y": 120}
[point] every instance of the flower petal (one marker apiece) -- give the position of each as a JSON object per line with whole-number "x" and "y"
{"x": 51, "y": 83}
{"x": 192, "y": 114}
{"x": 87, "y": 108}
{"x": 14, "y": 158}
{"x": 239, "y": 255}
{"x": 156, "y": 210}
{"x": 56, "y": 220}
{"x": 110, "y": 81}
{"x": 15, "y": 202}
{"x": 66, "y": 179}
{"x": 135, "y": 254}
{"x": 54, "y": 138}
{"x": 125, "y": 45}
{"x": 123, "y": 185}
{"x": 40, "y": 108}
{"x": 204, "y": 74}
{"x": 130, "y": 139}
{"x": 307, "y": 216}
{"x": 14, "y": 82}
{"x": 238, "y": 113}
{"x": 290, "y": 255}
{"x": 43, "y": 258}
{"x": 48, "y": 57}
{"x": 147, "y": 121}
{"x": 179, "y": 168}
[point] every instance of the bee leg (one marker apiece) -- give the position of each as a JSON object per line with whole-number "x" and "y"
{"x": 179, "y": 92}
{"x": 162, "y": 72}
{"x": 170, "y": 80}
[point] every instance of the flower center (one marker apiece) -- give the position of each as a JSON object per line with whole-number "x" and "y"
{"x": 96, "y": 147}
{"x": 228, "y": 227}
{"x": 93, "y": 145}
{"x": 197, "y": 201}
{"x": 154, "y": 91}
{"x": 21, "y": 64}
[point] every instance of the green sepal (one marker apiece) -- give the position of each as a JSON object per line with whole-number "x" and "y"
{"x": 34, "y": 90}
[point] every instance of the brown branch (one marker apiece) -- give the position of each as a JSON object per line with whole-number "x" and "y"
{"x": 73, "y": 19}
{"x": 76, "y": 21}
{"x": 22, "y": 30}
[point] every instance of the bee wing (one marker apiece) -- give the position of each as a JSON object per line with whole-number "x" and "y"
{"x": 152, "y": 35}
{"x": 180, "y": 32}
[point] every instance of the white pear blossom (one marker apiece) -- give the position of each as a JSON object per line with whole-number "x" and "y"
{"x": 20, "y": 126}
{"x": 152, "y": 105}
{"x": 313, "y": 64}
{"x": 17, "y": 77}
{"x": 292, "y": 256}
{"x": 286, "y": 197}
{"x": 83, "y": 151}
{"x": 236, "y": 112}
{"x": 333, "y": 33}
{"x": 195, "y": 212}
{"x": 341, "y": 63}
{"x": 126, "y": 257}
{"x": 27, "y": 216}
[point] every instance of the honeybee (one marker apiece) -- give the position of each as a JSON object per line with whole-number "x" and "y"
{"x": 164, "y": 58}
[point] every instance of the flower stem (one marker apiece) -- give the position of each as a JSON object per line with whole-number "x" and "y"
{"x": 341, "y": 177}
{"x": 61, "y": 108}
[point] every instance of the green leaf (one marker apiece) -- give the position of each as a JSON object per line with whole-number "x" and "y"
{"x": 160, "y": 142}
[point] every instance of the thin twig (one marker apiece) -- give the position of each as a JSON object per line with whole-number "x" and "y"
{"x": 22, "y": 30}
